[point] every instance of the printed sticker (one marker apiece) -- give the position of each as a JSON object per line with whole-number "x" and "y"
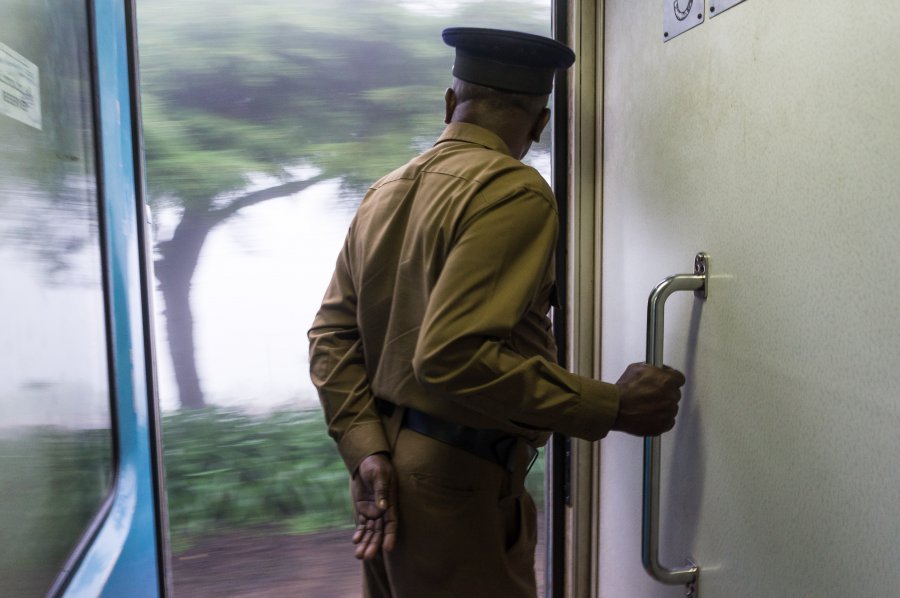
{"x": 20, "y": 87}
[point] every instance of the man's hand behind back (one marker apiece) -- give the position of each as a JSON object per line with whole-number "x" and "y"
{"x": 648, "y": 399}
{"x": 374, "y": 490}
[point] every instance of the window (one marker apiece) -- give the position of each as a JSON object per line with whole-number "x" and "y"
{"x": 55, "y": 420}
{"x": 264, "y": 123}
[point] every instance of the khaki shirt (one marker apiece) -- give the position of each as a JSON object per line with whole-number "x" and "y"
{"x": 439, "y": 301}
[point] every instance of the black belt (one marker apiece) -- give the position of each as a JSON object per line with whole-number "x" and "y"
{"x": 493, "y": 445}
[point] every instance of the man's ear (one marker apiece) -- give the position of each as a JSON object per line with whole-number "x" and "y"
{"x": 449, "y": 105}
{"x": 539, "y": 124}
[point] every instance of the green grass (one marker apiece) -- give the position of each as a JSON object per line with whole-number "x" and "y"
{"x": 227, "y": 470}
{"x": 52, "y": 482}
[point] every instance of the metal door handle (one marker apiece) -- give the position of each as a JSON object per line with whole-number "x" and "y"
{"x": 699, "y": 283}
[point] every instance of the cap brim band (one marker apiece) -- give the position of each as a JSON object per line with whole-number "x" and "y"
{"x": 507, "y": 77}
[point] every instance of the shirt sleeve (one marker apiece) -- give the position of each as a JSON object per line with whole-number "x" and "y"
{"x": 492, "y": 275}
{"x": 338, "y": 371}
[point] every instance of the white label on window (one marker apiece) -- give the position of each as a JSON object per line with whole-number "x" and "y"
{"x": 20, "y": 87}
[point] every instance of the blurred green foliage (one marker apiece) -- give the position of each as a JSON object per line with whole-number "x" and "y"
{"x": 52, "y": 482}
{"x": 227, "y": 470}
{"x": 235, "y": 88}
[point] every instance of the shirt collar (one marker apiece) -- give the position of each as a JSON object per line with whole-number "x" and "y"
{"x": 469, "y": 133}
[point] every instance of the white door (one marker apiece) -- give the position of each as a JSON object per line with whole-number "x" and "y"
{"x": 769, "y": 137}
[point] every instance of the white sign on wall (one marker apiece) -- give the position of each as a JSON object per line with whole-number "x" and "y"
{"x": 20, "y": 87}
{"x": 680, "y": 16}
{"x": 717, "y": 7}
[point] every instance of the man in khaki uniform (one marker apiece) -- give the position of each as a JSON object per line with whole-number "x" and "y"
{"x": 433, "y": 353}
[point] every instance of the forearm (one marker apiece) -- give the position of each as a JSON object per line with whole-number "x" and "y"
{"x": 488, "y": 377}
{"x": 338, "y": 371}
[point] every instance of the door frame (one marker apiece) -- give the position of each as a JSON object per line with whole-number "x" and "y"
{"x": 583, "y": 228}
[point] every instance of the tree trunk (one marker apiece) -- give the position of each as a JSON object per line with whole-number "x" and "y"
{"x": 175, "y": 270}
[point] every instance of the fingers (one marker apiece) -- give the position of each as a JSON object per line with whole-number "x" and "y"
{"x": 675, "y": 377}
{"x": 382, "y": 483}
{"x": 373, "y": 535}
{"x": 369, "y": 539}
{"x": 359, "y": 533}
{"x": 668, "y": 411}
{"x": 390, "y": 528}
{"x": 648, "y": 399}
{"x": 376, "y": 477}
{"x": 374, "y": 490}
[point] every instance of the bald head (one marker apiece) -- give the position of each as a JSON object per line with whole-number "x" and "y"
{"x": 518, "y": 118}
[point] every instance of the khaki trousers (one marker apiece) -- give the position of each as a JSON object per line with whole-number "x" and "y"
{"x": 466, "y": 527}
